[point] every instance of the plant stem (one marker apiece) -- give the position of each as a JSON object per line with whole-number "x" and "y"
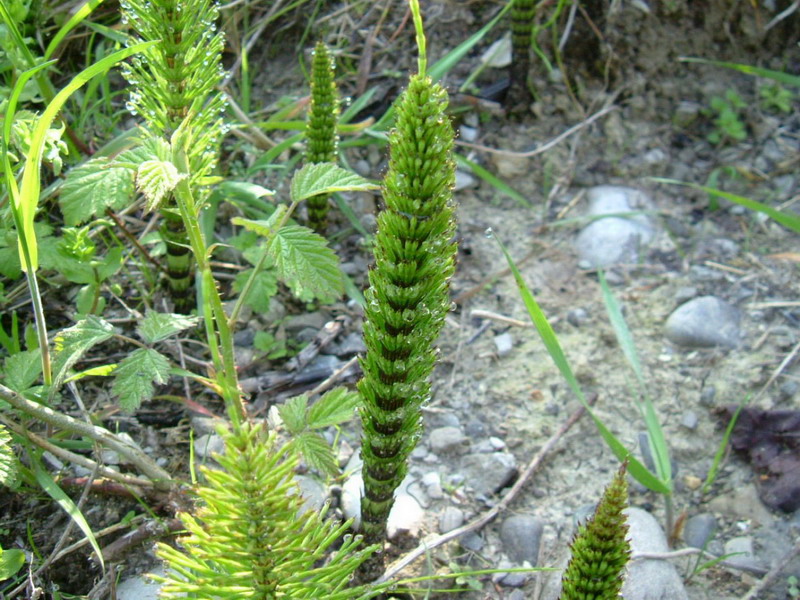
{"x": 218, "y": 329}
{"x": 161, "y": 479}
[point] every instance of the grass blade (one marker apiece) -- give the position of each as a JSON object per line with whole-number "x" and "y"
{"x": 550, "y": 340}
{"x": 788, "y": 220}
{"x": 656, "y": 439}
{"x": 712, "y": 472}
{"x": 49, "y": 485}
{"x": 778, "y": 76}
{"x": 497, "y": 183}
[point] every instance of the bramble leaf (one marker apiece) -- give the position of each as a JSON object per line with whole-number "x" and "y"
{"x": 326, "y": 178}
{"x": 135, "y": 377}
{"x": 157, "y": 326}
{"x": 22, "y": 370}
{"x": 8, "y": 462}
{"x": 92, "y": 187}
{"x": 70, "y": 344}
{"x": 293, "y": 414}
{"x": 317, "y": 453}
{"x": 264, "y": 287}
{"x": 334, "y": 407}
{"x": 306, "y": 264}
{"x": 155, "y": 179}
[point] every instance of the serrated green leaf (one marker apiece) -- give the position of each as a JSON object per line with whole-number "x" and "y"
{"x": 293, "y": 414}
{"x": 92, "y": 187}
{"x": 326, "y": 178}
{"x": 151, "y": 148}
{"x": 264, "y": 287}
{"x": 316, "y": 452}
{"x": 8, "y": 462}
{"x": 134, "y": 377}
{"x": 157, "y": 326}
{"x": 70, "y": 344}
{"x": 336, "y": 406}
{"x": 155, "y": 179}
{"x": 22, "y": 370}
{"x": 306, "y": 264}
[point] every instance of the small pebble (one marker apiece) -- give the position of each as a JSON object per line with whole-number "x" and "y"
{"x": 451, "y": 518}
{"x": 743, "y": 554}
{"x": 707, "y": 396}
{"x": 689, "y": 420}
{"x": 703, "y": 322}
{"x": 577, "y": 317}
{"x": 522, "y": 536}
{"x": 503, "y": 343}
{"x": 448, "y": 440}
{"x": 699, "y": 530}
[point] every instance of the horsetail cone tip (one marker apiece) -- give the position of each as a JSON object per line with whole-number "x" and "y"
{"x": 600, "y": 549}
{"x": 321, "y": 138}
{"x": 408, "y": 297}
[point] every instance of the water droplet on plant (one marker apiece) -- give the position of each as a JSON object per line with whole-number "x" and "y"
{"x": 489, "y": 233}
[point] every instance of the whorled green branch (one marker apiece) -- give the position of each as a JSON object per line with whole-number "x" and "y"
{"x": 408, "y": 297}
{"x": 321, "y": 137}
{"x": 253, "y": 538}
{"x": 174, "y": 82}
{"x": 600, "y": 549}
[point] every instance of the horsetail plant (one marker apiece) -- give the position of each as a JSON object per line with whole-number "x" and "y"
{"x": 522, "y": 13}
{"x": 175, "y": 81}
{"x": 254, "y": 538}
{"x": 600, "y": 549}
{"x": 321, "y": 138}
{"x": 407, "y": 299}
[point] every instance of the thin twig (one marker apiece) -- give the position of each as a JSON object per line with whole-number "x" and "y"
{"x": 161, "y": 479}
{"x": 546, "y": 146}
{"x": 487, "y": 314}
{"x": 490, "y": 515}
{"x": 773, "y": 573}
{"x": 337, "y": 374}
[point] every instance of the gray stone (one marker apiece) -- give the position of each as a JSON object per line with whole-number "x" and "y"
{"x": 448, "y": 440}
{"x": 702, "y": 323}
{"x": 207, "y": 445}
{"x": 707, "y": 396}
{"x": 488, "y": 473}
{"x": 468, "y": 134}
{"x": 471, "y": 541}
{"x": 464, "y": 181}
{"x": 614, "y": 240}
{"x": 451, "y": 518}
{"x": 743, "y": 554}
{"x": 689, "y": 420}
{"x": 699, "y": 530}
{"x": 504, "y": 344}
{"x": 297, "y": 323}
{"x": 650, "y": 579}
{"x": 685, "y": 294}
{"x": 787, "y": 390}
{"x": 577, "y": 317}
{"x": 742, "y": 503}
{"x": 313, "y": 493}
{"x": 521, "y": 536}
{"x": 433, "y": 485}
{"x": 353, "y": 343}
{"x": 140, "y": 587}
{"x": 406, "y": 515}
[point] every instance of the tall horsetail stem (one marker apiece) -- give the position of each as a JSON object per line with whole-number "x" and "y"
{"x": 522, "y": 13}
{"x": 171, "y": 82}
{"x": 600, "y": 549}
{"x": 321, "y": 138}
{"x": 408, "y": 297}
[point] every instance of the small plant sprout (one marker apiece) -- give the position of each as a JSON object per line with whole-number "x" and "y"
{"x": 321, "y": 138}
{"x": 408, "y": 296}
